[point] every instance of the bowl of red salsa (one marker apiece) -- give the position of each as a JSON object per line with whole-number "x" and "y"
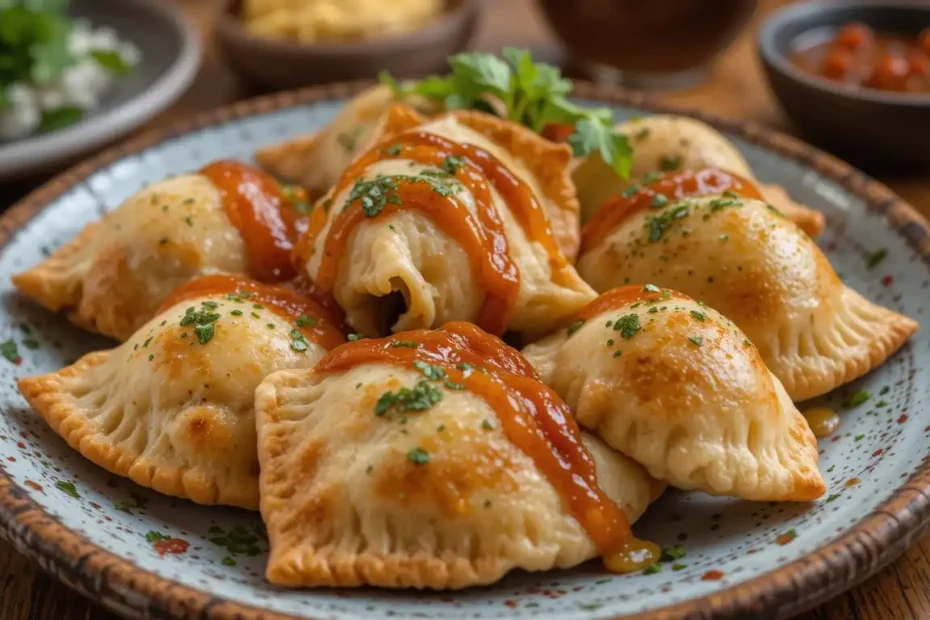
{"x": 854, "y": 77}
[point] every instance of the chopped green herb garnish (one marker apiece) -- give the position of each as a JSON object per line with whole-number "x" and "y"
{"x": 631, "y": 190}
{"x": 419, "y": 398}
{"x": 464, "y": 366}
{"x": 430, "y": 371}
{"x": 698, "y": 340}
{"x": 652, "y": 569}
{"x": 670, "y": 554}
{"x": 679, "y": 566}
{"x": 627, "y": 325}
{"x": 305, "y": 321}
{"x": 488, "y": 425}
{"x": 353, "y": 337}
{"x": 451, "y": 164}
{"x": 876, "y": 257}
{"x": 31, "y": 343}
{"x": 700, "y": 316}
{"x": 575, "y": 326}
{"x": 659, "y": 224}
{"x": 418, "y": 456}
{"x": 831, "y": 498}
{"x": 530, "y": 93}
{"x": 236, "y": 312}
{"x": 393, "y": 150}
{"x": 204, "y": 323}
{"x": 856, "y": 398}
{"x": 153, "y": 536}
{"x": 670, "y": 163}
{"x": 68, "y": 488}
{"x": 658, "y": 201}
{"x": 298, "y": 342}
{"x": 404, "y": 343}
{"x": 10, "y": 351}
{"x": 652, "y": 177}
{"x": 652, "y": 288}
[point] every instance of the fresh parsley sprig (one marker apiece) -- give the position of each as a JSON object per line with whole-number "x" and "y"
{"x": 526, "y": 92}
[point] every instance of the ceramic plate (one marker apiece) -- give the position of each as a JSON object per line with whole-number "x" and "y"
{"x": 96, "y": 531}
{"x": 170, "y": 59}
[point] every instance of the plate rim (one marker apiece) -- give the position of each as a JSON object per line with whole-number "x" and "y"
{"x": 20, "y": 157}
{"x": 117, "y": 583}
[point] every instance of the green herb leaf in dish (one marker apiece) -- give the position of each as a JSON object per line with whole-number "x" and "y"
{"x": 533, "y": 94}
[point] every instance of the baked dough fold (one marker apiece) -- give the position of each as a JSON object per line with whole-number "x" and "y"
{"x": 759, "y": 270}
{"x": 674, "y": 385}
{"x": 669, "y": 142}
{"x": 115, "y": 274}
{"x": 346, "y": 504}
{"x": 399, "y": 270}
{"x": 169, "y": 411}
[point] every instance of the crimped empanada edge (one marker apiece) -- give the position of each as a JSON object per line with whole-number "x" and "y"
{"x": 44, "y": 394}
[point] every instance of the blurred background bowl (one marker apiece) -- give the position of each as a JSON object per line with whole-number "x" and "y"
{"x": 273, "y": 64}
{"x": 874, "y": 129}
{"x": 659, "y": 44}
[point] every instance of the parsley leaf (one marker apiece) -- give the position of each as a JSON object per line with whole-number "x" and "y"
{"x": 528, "y": 92}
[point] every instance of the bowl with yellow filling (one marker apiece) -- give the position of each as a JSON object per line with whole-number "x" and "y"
{"x": 277, "y": 44}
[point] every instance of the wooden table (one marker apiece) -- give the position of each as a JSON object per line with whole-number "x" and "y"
{"x": 736, "y": 90}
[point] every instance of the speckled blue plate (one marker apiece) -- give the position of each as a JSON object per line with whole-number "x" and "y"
{"x": 96, "y": 532}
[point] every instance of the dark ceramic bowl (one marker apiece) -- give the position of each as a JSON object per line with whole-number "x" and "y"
{"x": 875, "y": 129}
{"x": 274, "y": 65}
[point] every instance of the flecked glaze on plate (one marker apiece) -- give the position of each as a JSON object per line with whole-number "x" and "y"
{"x": 106, "y": 537}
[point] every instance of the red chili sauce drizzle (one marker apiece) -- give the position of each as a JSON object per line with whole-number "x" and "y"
{"x": 267, "y": 220}
{"x": 532, "y": 416}
{"x": 323, "y": 328}
{"x": 481, "y": 235}
{"x": 617, "y": 298}
{"x": 672, "y": 186}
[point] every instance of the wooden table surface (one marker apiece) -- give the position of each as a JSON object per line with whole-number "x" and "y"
{"x": 736, "y": 90}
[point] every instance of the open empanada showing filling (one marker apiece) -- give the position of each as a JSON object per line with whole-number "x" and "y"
{"x": 316, "y": 162}
{"x": 669, "y": 143}
{"x": 172, "y": 408}
{"x": 227, "y": 218}
{"x": 466, "y": 217}
{"x": 435, "y": 459}
{"x": 707, "y": 234}
{"x": 680, "y": 389}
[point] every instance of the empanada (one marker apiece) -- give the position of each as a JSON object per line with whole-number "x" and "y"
{"x": 228, "y": 218}
{"x": 466, "y": 217}
{"x": 674, "y": 385}
{"x": 759, "y": 270}
{"x": 173, "y": 407}
{"x": 670, "y": 143}
{"x": 433, "y": 459}
{"x": 316, "y": 161}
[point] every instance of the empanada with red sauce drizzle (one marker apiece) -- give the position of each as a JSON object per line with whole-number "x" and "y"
{"x": 112, "y": 278}
{"x": 665, "y": 142}
{"x": 394, "y": 463}
{"x": 680, "y": 389}
{"x": 172, "y": 407}
{"x": 758, "y": 269}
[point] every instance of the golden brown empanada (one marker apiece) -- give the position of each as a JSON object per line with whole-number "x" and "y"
{"x": 669, "y": 142}
{"x": 417, "y": 461}
{"x": 229, "y": 218}
{"x": 759, "y": 270}
{"x": 173, "y": 407}
{"x": 674, "y": 385}
{"x": 316, "y": 161}
{"x": 466, "y": 217}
